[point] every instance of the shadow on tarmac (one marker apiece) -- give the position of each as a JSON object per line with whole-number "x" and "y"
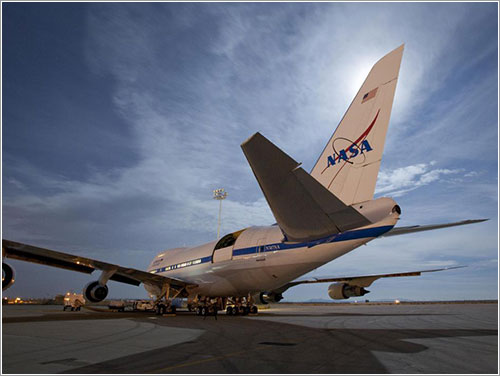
{"x": 232, "y": 345}
{"x": 346, "y": 314}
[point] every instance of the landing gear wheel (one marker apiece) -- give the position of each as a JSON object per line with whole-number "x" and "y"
{"x": 160, "y": 309}
{"x": 229, "y": 311}
{"x": 236, "y": 311}
{"x": 254, "y": 310}
{"x": 198, "y": 311}
{"x": 204, "y": 311}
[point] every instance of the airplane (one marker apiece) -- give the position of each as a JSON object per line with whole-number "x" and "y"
{"x": 320, "y": 216}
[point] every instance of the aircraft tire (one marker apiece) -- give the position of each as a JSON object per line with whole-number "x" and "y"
{"x": 229, "y": 311}
{"x": 159, "y": 309}
{"x": 254, "y": 310}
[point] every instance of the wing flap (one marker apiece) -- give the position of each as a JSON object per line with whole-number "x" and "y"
{"x": 303, "y": 208}
{"x": 25, "y": 252}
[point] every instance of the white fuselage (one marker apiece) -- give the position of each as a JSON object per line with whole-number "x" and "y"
{"x": 259, "y": 260}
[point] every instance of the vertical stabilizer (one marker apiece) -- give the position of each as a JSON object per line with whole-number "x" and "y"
{"x": 349, "y": 164}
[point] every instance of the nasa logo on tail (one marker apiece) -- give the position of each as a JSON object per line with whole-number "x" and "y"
{"x": 355, "y": 148}
{"x": 349, "y": 153}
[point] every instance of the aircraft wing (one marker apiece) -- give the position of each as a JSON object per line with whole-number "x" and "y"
{"x": 25, "y": 252}
{"x": 361, "y": 281}
{"x": 417, "y": 228}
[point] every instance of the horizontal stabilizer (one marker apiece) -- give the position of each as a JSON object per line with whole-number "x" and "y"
{"x": 417, "y": 228}
{"x": 304, "y": 209}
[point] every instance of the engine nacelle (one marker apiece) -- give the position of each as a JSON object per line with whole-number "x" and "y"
{"x": 345, "y": 291}
{"x": 95, "y": 292}
{"x": 267, "y": 297}
{"x": 8, "y": 275}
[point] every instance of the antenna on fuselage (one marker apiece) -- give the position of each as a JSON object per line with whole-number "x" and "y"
{"x": 219, "y": 194}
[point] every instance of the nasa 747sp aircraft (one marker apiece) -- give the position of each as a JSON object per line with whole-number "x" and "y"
{"x": 320, "y": 216}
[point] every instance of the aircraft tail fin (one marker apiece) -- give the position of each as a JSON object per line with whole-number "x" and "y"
{"x": 348, "y": 166}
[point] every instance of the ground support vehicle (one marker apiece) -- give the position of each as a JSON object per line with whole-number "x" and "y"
{"x": 73, "y": 301}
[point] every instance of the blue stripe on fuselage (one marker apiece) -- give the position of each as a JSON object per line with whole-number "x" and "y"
{"x": 348, "y": 235}
{"x": 344, "y": 236}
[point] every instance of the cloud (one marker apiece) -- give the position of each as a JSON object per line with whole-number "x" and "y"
{"x": 405, "y": 179}
{"x": 190, "y": 82}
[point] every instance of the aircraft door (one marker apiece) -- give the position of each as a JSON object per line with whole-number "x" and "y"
{"x": 223, "y": 250}
{"x": 222, "y": 254}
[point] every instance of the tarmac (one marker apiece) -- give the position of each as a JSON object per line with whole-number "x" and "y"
{"x": 286, "y": 338}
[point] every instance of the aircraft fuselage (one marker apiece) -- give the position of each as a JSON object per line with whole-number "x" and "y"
{"x": 259, "y": 260}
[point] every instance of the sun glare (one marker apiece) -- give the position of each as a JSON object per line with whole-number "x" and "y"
{"x": 358, "y": 73}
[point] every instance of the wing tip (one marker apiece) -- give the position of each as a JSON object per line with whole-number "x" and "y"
{"x": 472, "y": 221}
{"x": 249, "y": 139}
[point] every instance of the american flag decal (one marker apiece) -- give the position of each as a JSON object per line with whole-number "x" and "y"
{"x": 369, "y": 95}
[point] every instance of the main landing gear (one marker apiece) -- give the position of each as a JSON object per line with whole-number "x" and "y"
{"x": 204, "y": 306}
{"x": 241, "y": 306}
{"x": 164, "y": 303}
{"x": 207, "y": 306}
{"x": 235, "y": 310}
{"x": 165, "y": 309}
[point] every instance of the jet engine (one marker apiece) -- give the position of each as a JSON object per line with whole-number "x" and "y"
{"x": 8, "y": 276}
{"x": 267, "y": 297}
{"x": 95, "y": 292}
{"x": 345, "y": 291}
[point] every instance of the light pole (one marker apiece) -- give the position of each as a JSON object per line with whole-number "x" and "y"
{"x": 219, "y": 194}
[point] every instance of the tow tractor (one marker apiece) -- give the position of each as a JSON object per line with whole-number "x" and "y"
{"x": 122, "y": 305}
{"x": 144, "y": 305}
{"x": 73, "y": 301}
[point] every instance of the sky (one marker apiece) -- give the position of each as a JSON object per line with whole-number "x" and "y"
{"x": 119, "y": 119}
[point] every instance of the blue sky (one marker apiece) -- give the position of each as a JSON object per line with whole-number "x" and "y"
{"x": 119, "y": 119}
